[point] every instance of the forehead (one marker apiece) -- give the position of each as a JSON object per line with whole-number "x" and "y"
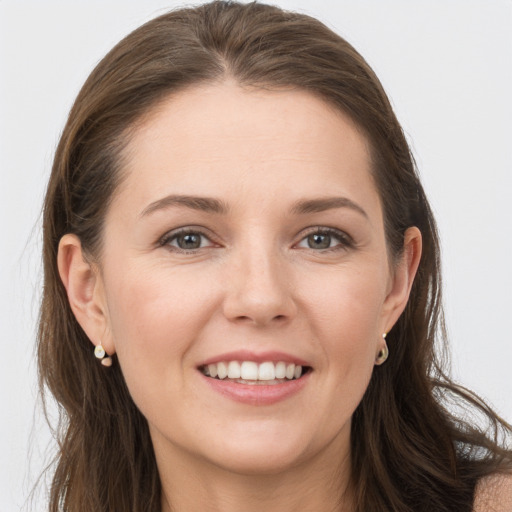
{"x": 222, "y": 138}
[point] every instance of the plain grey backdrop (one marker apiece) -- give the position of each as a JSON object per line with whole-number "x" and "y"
{"x": 447, "y": 67}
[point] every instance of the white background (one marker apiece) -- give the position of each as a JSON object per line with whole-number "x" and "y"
{"x": 447, "y": 66}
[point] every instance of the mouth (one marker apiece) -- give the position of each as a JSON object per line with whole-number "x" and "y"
{"x": 267, "y": 373}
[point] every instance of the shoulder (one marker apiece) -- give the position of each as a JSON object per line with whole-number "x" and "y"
{"x": 494, "y": 494}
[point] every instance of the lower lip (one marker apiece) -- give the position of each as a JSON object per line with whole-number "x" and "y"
{"x": 257, "y": 394}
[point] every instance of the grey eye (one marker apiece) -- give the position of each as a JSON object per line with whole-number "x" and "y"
{"x": 326, "y": 238}
{"x": 186, "y": 240}
{"x": 189, "y": 241}
{"x": 319, "y": 241}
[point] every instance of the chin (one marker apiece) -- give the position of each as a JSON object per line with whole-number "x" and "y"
{"x": 264, "y": 451}
{"x": 263, "y": 461}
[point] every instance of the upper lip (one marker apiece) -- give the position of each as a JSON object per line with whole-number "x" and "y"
{"x": 258, "y": 357}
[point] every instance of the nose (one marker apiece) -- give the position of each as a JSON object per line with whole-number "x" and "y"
{"x": 259, "y": 290}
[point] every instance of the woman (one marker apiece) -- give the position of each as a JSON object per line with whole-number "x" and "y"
{"x": 235, "y": 229}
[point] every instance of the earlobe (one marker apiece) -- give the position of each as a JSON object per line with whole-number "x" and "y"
{"x": 403, "y": 277}
{"x": 84, "y": 288}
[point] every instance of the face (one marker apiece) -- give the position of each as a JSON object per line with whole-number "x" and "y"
{"x": 247, "y": 237}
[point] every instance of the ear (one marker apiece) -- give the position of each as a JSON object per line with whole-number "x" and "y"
{"x": 402, "y": 278}
{"x": 85, "y": 291}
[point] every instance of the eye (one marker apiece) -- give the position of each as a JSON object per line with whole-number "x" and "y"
{"x": 323, "y": 239}
{"x": 186, "y": 240}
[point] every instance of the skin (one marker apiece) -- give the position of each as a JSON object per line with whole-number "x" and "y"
{"x": 255, "y": 283}
{"x": 494, "y": 493}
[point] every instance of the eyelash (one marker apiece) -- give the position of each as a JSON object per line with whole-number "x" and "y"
{"x": 345, "y": 240}
{"x": 174, "y": 235}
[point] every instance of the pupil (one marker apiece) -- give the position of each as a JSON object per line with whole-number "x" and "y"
{"x": 319, "y": 241}
{"x": 189, "y": 241}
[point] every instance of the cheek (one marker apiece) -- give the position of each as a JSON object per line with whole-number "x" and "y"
{"x": 345, "y": 318}
{"x": 346, "y": 306}
{"x": 149, "y": 303}
{"x": 154, "y": 317}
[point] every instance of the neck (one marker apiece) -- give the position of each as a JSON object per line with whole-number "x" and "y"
{"x": 189, "y": 484}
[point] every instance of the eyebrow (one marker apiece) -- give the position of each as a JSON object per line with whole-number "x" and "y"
{"x": 204, "y": 204}
{"x": 212, "y": 205}
{"x": 327, "y": 203}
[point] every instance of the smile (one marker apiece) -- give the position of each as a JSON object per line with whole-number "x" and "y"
{"x": 250, "y": 372}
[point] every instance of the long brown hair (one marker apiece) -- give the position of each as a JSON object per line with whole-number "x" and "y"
{"x": 408, "y": 452}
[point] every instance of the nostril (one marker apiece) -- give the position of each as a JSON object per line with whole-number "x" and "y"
{"x": 259, "y": 319}
{"x": 243, "y": 317}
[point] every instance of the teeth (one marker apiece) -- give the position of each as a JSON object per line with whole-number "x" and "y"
{"x": 280, "y": 370}
{"x": 222, "y": 370}
{"x": 266, "y": 371}
{"x": 251, "y": 371}
{"x": 233, "y": 370}
{"x": 212, "y": 370}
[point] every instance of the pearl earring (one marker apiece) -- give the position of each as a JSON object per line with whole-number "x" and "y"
{"x": 383, "y": 352}
{"x": 99, "y": 353}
